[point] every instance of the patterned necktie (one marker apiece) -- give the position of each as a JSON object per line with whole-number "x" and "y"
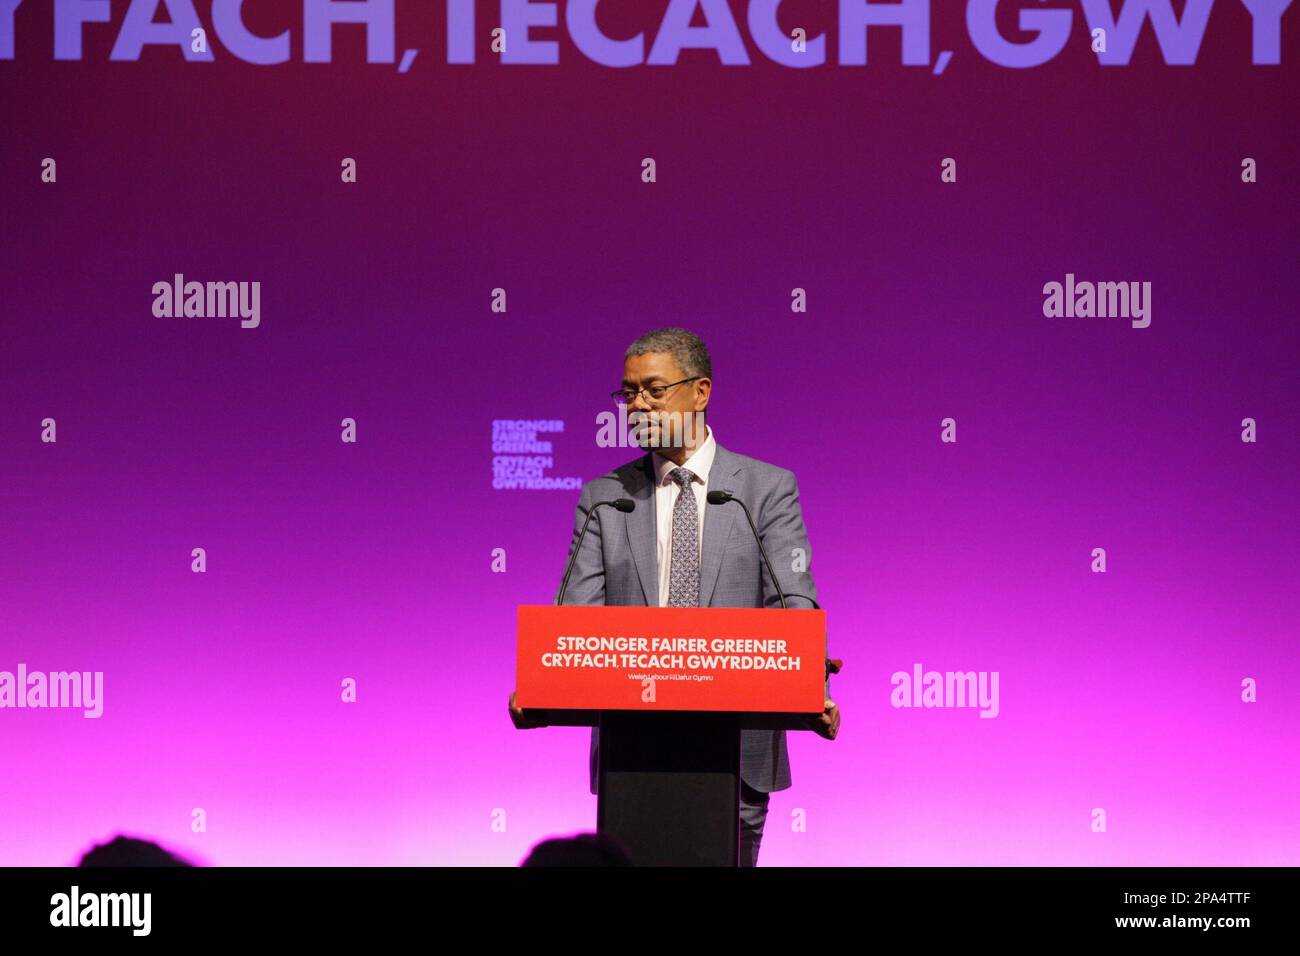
{"x": 684, "y": 571}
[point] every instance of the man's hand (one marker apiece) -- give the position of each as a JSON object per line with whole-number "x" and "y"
{"x": 521, "y": 720}
{"x": 828, "y": 724}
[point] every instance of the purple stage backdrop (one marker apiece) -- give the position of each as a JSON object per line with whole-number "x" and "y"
{"x": 1147, "y": 713}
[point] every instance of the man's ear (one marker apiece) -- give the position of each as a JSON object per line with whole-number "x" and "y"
{"x": 704, "y": 388}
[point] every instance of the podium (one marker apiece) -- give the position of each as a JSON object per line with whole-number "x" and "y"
{"x": 670, "y": 690}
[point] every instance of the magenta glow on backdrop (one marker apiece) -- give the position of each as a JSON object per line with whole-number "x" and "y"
{"x": 373, "y": 561}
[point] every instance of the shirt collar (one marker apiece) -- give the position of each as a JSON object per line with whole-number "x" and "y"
{"x": 700, "y": 461}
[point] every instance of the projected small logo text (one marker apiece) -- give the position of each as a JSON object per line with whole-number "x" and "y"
{"x": 521, "y": 461}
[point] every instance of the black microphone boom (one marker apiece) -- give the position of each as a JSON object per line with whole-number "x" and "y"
{"x": 625, "y": 505}
{"x": 721, "y": 498}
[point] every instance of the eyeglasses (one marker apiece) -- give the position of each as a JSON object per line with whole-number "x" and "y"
{"x": 656, "y": 393}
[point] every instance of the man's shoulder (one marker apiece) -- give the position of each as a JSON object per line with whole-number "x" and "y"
{"x": 618, "y": 481}
{"x": 763, "y": 471}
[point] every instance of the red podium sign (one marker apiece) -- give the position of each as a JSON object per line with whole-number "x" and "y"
{"x": 671, "y": 658}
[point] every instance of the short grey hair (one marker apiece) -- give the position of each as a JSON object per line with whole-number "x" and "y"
{"x": 686, "y": 348}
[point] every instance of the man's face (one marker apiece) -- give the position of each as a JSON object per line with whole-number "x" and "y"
{"x": 660, "y": 368}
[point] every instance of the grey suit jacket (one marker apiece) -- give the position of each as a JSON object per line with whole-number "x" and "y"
{"x": 618, "y": 565}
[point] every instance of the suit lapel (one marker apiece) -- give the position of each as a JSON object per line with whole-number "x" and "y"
{"x": 717, "y": 522}
{"x": 641, "y": 533}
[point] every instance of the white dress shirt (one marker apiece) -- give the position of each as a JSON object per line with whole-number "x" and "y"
{"x": 666, "y": 492}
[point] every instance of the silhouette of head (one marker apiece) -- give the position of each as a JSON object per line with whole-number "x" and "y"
{"x": 128, "y": 851}
{"x": 584, "y": 849}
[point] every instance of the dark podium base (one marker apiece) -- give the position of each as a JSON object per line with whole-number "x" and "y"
{"x": 669, "y": 786}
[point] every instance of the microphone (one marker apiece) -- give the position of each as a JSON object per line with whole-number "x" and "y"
{"x": 625, "y": 505}
{"x": 721, "y": 498}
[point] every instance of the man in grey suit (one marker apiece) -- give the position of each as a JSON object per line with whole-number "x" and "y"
{"x": 674, "y": 549}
